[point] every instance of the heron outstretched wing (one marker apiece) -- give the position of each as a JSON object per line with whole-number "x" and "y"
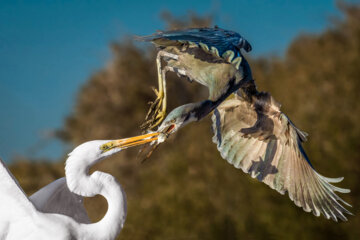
{"x": 221, "y": 39}
{"x": 258, "y": 138}
{"x": 57, "y": 198}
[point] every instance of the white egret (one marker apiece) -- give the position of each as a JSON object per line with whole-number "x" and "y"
{"x": 56, "y": 211}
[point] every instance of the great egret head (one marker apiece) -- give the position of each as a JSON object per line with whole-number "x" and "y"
{"x": 99, "y": 149}
{"x": 94, "y": 149}
{"x": 92, "y": 152}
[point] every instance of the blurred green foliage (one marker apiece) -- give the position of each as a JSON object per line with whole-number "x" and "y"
{"x": 185, "y": 190}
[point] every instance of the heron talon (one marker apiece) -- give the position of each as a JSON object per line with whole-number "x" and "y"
{"x": 155, "y": 120}
{"x": 155, "y": 114}
{"x": 155, "y": 91}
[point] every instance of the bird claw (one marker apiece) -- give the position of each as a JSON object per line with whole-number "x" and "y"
{"x": 155, "y": 91}
{"x": 154, "y": 106}
{"x": 151, "y": 122}
{"x": 155, "y": 115}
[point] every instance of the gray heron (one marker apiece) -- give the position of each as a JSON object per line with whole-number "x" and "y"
{"x": 250, "y": 131}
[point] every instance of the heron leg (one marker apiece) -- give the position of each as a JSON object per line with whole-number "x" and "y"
{"x": 161, "y": 109}
{"x": 157, "y": 110}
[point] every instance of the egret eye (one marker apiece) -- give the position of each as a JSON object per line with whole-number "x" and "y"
{"x": 106, "y": 146}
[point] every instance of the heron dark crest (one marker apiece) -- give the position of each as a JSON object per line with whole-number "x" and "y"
{"x": 250, "y": 130}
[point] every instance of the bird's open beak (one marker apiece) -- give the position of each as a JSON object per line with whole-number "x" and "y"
{"x": 130, "y": 142}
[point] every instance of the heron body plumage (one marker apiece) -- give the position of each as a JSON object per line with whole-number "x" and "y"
{"x": 209, "y": 56}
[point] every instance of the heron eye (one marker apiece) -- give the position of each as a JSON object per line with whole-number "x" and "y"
{"x": 172, "y": 126}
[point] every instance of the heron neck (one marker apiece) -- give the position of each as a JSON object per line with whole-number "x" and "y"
{"x": 98, "y": 183}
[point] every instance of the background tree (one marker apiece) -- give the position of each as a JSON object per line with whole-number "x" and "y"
{"x": 186, "y": 190}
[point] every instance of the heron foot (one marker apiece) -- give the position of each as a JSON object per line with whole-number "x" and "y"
{"x": 156, "y": 113}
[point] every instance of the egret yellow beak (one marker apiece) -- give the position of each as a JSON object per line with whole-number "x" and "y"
{"x": 130, "y": 142}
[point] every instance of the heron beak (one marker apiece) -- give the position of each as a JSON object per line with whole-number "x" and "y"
{"x": 130, "y": 142}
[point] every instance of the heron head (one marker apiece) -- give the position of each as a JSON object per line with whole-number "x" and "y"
{"x": 176, "y": 119}
{"x": 179, "y": 117}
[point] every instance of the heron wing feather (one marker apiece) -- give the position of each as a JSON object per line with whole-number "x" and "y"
{"x": 268, "y": 147}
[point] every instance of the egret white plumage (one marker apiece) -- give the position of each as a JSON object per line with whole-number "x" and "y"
{"x": 250, "y": 131}
{"x": 56, "y": 211}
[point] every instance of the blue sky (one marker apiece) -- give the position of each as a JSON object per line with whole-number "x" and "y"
{"x": 49, "y": 48}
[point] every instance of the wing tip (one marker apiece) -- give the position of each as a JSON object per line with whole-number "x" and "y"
{"x": 331, "y": 180}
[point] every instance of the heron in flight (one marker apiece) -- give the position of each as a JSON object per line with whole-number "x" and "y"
{"x": 56, "y": 211}
{"x": 250, "y": 131}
